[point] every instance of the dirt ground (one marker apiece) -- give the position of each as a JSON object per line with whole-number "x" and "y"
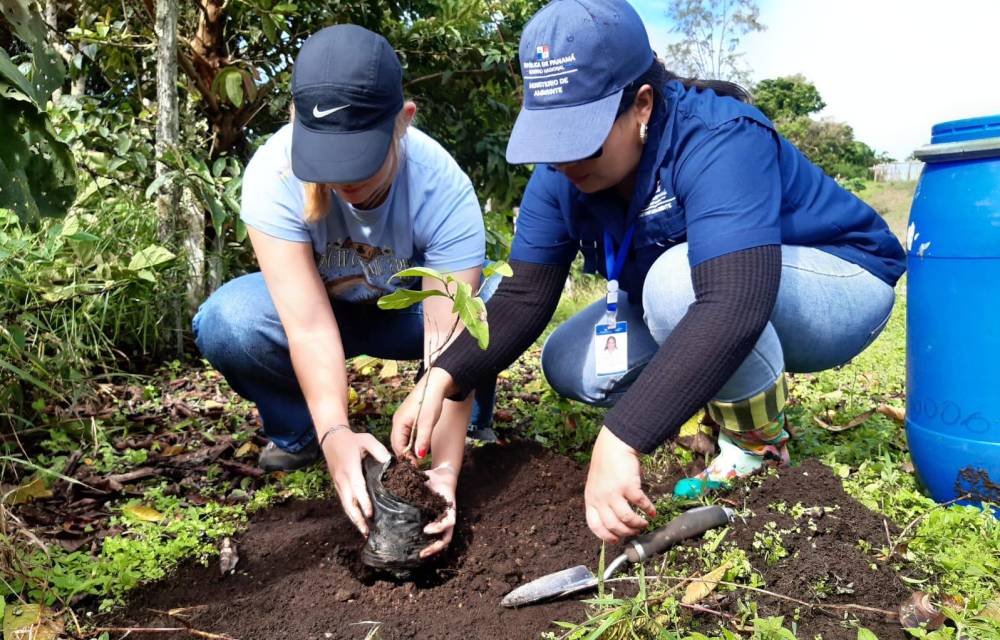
{"x": 520, "y": 517}
{"x": 825, "y": 562}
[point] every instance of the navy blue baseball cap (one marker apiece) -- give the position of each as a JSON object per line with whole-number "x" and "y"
{"x": 576, "y": 58}
{"x": 347, "y": 85}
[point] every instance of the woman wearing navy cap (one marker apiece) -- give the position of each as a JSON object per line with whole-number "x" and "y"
{"x": 337, "y": 202}
{"x": 730, "y": 258}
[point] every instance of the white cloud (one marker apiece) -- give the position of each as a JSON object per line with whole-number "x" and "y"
{"x": 889, "y": 68}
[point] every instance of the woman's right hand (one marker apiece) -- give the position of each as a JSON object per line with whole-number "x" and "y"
{"x": 421, "y": 411}
{"x": 344, "y": 450}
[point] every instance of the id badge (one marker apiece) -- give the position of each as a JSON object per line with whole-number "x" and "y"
{"x": 611, "y": 348}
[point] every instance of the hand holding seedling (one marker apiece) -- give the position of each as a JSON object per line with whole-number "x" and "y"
{"x": 414, "y": 421}
{"x": 614, "y": 486}
{"x": 344, "y": 450}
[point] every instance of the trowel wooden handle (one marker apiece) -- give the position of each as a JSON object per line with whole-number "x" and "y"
{"x": 689, "y": 524}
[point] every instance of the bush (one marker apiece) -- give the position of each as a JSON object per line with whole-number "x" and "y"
{"x": 77, "y": 295}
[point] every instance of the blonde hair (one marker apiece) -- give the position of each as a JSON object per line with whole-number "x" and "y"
{"x": 318, "y": 196}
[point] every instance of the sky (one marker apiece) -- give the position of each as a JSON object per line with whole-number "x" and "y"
{"x": 889, "y": 68}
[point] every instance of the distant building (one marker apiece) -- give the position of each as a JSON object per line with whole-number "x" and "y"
{"x": 897, "y": 171}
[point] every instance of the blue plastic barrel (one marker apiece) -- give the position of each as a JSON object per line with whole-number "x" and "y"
{"x": 953, "y": 313}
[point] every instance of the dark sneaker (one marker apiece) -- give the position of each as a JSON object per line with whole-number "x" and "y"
{"x": 274, "y": 458}
{"x": 482, "y": 434}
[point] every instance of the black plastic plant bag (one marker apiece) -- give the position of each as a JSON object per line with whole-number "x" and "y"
{"x": 396, "y": 530}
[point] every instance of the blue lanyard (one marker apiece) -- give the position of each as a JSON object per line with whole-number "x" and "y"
{"x": 615, "y": 260}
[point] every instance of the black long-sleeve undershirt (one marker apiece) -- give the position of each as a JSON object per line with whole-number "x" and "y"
{"x": 517, "y": 314}
{"x": 734, "y": 297}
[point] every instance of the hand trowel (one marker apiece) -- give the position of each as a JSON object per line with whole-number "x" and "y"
{"x": 689, "y": 524}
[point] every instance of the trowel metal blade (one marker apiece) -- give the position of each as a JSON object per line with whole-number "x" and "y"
{"x": 554, "y": 585}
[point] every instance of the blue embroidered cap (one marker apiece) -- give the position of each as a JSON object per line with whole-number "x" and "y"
{"x": 347, "y": 85}
{"x": 576, "y": 57}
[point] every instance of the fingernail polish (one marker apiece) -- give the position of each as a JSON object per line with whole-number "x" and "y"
{"x": 422, "y": 453}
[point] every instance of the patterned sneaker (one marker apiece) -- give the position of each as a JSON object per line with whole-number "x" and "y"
{"x": 274, "y": 458}
{"x": 740, "y": 455}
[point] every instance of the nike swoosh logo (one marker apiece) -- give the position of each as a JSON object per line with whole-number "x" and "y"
{"x": 322, "y": 114}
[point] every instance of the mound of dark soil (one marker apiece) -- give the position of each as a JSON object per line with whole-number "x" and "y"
{"x": 409, "y": 484}
{"x": 520, "y": 516}
{"x": 824, "y": 537}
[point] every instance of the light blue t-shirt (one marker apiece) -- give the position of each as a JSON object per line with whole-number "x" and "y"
{"x": 431, "y": 218}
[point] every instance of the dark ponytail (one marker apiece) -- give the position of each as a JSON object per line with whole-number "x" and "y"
{"x": 657, "y": 76}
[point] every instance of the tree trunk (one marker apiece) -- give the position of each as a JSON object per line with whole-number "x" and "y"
{"x": 209, "y": 56}
{"x": 166, "y": 137}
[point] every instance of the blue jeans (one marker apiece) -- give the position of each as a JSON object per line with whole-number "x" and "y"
{"x": 828, "y": 311}
{"x": 238, "y": 330}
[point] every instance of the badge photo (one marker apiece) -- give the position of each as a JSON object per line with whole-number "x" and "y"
{"x": 611, "y": 348}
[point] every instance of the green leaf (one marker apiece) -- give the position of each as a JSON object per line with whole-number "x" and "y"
{"x": 83, "y": 236}
{"x": 154, "y": 186}
{"x": 229, "y": 84}
{"x": 285, "y": 8}
{"x": 472, "y": 312}
{"x": 420, "y": 272}
{"x": 403, "y": 298}
{"x": 13, "y": 75}
{"x": 151, "y": 256}
{"x": 500, "y": 267}
{"x": 37, "y": 170}
{"x": 47, "y": 68}
{"x": 218, "y": 167}
{"x": 270, "y": 30}
{"x": 607, "y": 624}
{"x": 70, "y": 226}
{"x": 865, "y": 634}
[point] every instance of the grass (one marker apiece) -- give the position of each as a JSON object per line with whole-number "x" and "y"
{"x": 892, "y": 201}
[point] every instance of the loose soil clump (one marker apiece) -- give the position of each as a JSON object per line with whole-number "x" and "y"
{"x": 409, "y": 484}
{"x": 521, "y": 516}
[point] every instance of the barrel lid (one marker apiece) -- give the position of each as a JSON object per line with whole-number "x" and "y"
{"x": 967, "y": 139}
{"x": 968, "y": 129}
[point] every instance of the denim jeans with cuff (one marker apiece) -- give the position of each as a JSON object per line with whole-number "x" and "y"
{"x": 828, "y": 311}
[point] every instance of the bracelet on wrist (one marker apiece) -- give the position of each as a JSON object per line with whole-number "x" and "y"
{"x": 331, "y": 430}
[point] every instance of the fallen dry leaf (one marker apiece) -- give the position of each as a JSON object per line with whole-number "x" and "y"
{"x": 30, "y": 622}
{"x": 173, "y": 450}
{"x": 697, "y": 591}
{"x": 248, "y": 448}
{"x": 32, "y": 490}
{"x": 899, "y": 415}
{"x": 144, "y": 513}
{"x": 390, "y": 369}
{"x": 836, "y": 428}
{"x": 991, "y": 611}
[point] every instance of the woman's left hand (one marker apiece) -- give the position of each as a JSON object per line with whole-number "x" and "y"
{"x": 442, "y": 480}
{"x": 614, "y": 485}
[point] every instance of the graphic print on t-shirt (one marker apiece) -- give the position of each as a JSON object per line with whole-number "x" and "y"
{"x": 357, "y": 272}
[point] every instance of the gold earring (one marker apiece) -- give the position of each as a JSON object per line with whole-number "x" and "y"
{"x": 643, "y": 132}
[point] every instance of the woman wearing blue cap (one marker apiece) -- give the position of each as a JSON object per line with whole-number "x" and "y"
{"x": 337, "y": 202}
{"x": 730, "y": 258}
